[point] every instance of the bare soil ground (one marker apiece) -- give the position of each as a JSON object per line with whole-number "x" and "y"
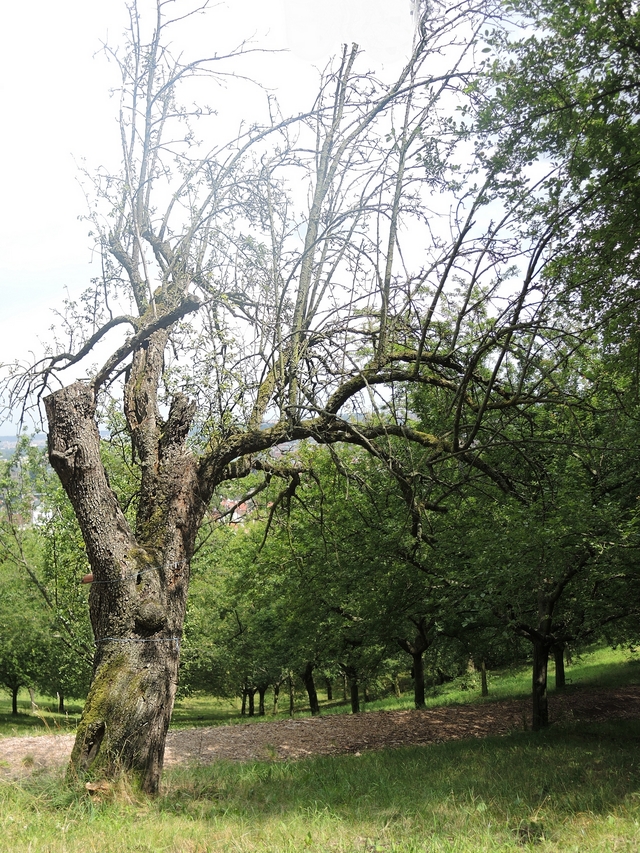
{"x": 336, "y": 734}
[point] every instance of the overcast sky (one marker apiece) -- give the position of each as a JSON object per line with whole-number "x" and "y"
{"x": 54, "y": 88}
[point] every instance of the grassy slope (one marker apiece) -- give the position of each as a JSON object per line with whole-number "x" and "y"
{"x": 600, "y": 668}
{"x": 571, "y": 788}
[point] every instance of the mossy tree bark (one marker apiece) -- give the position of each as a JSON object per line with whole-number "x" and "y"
{"x": 141, "y": 572}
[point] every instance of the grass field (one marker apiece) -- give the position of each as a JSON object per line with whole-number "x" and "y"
{"x": 574, "y": 788}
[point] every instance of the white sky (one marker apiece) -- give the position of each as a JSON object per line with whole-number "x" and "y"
{"x": 54, "y": 90}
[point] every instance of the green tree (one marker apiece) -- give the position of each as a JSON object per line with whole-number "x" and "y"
{"x": 272, "y": 293}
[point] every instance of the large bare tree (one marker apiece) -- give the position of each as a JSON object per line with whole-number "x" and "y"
{"x": 290, "y": 285}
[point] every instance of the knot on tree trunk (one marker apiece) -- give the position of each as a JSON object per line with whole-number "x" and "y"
{"x": 150, "y": 617}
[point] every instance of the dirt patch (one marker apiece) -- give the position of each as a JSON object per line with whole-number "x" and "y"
{"x": 338, "y": 734}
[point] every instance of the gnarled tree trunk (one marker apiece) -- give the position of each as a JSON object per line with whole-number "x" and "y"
{"x": 140, "y": 578}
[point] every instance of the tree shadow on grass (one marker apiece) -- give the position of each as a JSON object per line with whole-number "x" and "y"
{"x": 562, "y": 772}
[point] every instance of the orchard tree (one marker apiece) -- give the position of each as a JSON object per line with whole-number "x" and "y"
{"x": 273, "y": 289}
{"x": 44, "y": 558}
{"x": 563, "y": 97}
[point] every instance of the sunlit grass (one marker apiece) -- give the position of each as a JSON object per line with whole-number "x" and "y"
{"x": 572, "y": 788}
{"x": 597, "y": 668}
{"x": 45, "y": 719}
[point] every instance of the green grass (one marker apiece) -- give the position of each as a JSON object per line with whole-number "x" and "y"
{"x": 597, "y": 668}
{"x": 45, "y": 720}
{"x": 574, "y": 788}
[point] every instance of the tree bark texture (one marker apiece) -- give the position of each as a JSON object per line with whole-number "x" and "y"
{"x": 141, "y": 574}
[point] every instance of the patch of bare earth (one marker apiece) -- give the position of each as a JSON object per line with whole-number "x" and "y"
{"x": 338, "y": 734}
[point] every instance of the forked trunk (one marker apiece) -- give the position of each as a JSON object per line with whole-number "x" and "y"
{"x": 416, "y": 648}
{"x": 138, "y": 596}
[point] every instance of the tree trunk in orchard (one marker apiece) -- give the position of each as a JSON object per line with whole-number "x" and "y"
{"x": 416, "y": 648}
{"x": 354, "y": 694}
{"x": 14, "y": 701}
{"x": 292, "y": 697}
{"x": 138, "y": 596}
{"x": 540, "y": 701}
{"x": 483, "y": 676}
{"x": 351, "y": 677}
{"x": 310, "y": 686}
{"x": 329, "y": 687}
{"x": 262, "y": 689}
{"x": 558, "y": 656}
